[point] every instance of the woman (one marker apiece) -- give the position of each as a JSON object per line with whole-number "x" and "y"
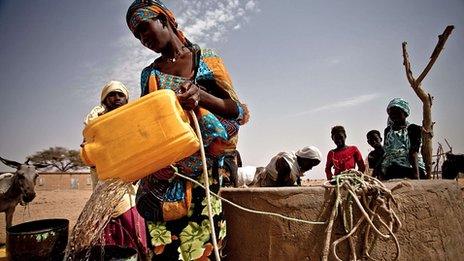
{"x": 402, "y": 143}
{"x": 202, "y": 84}
{"x": 343, "y": 157}
{"x": 287, "y": 168}
{"x": 126, "y": 227}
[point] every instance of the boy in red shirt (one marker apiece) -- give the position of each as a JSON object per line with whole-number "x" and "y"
{"x": 343, "y": 157}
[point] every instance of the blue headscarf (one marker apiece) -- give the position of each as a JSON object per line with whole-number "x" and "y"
{"x": 400, "y": 103}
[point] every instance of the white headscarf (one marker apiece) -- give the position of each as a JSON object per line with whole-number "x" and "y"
{"x": 309, "y": 152}
{"x": 113, "y": 86}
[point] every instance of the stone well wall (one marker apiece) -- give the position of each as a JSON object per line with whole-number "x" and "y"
{"x": 432, "y": 213}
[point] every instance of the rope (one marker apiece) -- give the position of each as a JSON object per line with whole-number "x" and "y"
{"x": 265, "y": 213}
{"x": 206, "y": 180}
{"x": 356, "y": 185}
{"x": 209, "y": 193}
{"x": 354, "y": 188}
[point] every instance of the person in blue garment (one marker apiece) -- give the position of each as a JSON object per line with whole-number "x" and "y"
{"x": 203, "y": 85}
{"x": 402, "y": 142}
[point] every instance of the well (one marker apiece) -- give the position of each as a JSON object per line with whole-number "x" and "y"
{"x": 432, "y": 213}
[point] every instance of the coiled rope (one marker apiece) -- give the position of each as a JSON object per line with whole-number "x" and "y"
{"x": 370, "y": 196}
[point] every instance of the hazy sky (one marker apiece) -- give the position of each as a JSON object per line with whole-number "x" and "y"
{"x": 302, "y": 66}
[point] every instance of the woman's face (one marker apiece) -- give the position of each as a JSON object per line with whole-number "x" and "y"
{"x": 153, "y": 34}
{"x": 115, "y": 100}
{"x": 397, "y": 115}
{"x": 307, "y": 164}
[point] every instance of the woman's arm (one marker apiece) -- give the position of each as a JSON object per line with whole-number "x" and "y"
{"x": 414, "y": 160}
{"x": 415, "y": 137}
{"x": 283, "y": 172}
{"x": 359, "y": 161}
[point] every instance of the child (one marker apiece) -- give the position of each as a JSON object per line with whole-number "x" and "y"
{"x": 342, "y": 157}
{"x": 402, "y": 143}
{"x": 375, "y": 157}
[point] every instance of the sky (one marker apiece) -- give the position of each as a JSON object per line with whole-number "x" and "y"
{"x": 301, "y": 66}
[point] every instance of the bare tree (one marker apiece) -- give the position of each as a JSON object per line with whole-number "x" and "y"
{"x": 425, "y": 97}
{"x": 58, "y": 158}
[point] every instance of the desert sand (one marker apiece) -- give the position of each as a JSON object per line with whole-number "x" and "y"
{"x": 49, "y": 204}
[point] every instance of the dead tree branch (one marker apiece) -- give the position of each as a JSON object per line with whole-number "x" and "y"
{"x": 424, "y": 96}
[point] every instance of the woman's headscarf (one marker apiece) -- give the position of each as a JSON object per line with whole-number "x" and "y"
{"x": 400, "y": 103}
{"x": 310, "y": 152}
{"x": 144, "y": 10}
{"x": 113, "y": 86}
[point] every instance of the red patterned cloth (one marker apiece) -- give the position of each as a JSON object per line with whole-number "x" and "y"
{"x": 343, "y": 159}
{"x": 127, "y": 230}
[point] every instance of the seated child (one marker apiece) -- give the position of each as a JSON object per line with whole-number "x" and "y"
{"x": 402, "y": 143}
{"x": 343, "y": 157}
{"x": 375, "y": 157}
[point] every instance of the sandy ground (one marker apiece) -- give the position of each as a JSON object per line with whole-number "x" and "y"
{"x": 49, "y": 204}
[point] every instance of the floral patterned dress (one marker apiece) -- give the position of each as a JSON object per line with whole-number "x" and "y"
{"x": 397, "y": 146}
{"x": 188, "y": 238}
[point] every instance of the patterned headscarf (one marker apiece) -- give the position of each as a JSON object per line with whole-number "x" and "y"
{"x": 400, "y": 103}
{"x": 144, "y": 10}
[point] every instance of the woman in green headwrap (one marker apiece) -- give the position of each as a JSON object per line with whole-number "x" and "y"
{"x": 402, "y": 144}
{"x": 202, "y": 84}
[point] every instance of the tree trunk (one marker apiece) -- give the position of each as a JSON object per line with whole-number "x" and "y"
{"x": 427, "y": 135}
{"x": 426, "y": 98}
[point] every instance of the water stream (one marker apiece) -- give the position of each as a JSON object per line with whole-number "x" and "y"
{"x": 88, "y": 230}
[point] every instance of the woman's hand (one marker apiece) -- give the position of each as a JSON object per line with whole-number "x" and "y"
{"x": 189, "y": 95}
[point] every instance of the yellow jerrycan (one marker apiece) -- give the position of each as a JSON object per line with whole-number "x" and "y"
{"x": 139, "y": 138}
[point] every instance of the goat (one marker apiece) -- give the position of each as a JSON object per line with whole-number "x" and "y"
{"x": 453, "y": 164}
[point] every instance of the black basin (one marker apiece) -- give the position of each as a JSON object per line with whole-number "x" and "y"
{"x": 44, "y": 239}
